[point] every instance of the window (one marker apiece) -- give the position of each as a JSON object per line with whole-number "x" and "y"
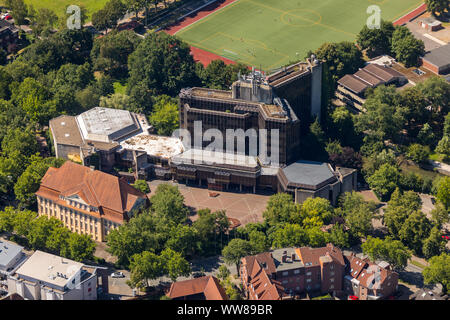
{"x": 308, "y": 280}
{"x": 285, "y": 273}
{"x": 296, "y": 271}
{"x": 332, "y": 280}
{"x": 308, "y": 273}
{"x": 332, "y": 273}
{"x": 332, "y": 286}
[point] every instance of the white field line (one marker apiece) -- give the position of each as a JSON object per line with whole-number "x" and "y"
{"x": 198, "y": 9}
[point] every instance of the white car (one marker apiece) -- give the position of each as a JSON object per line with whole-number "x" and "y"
{"x": 117, "y": 275}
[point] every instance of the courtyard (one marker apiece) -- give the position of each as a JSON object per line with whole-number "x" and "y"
{"x": 245, "y": 207}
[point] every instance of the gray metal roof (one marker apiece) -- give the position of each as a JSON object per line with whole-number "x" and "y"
{"x": 105, "y": 124}
{"x": 439, "y": 57}
{"x": 308, "y": 173}
{"x": 8, "y": 251}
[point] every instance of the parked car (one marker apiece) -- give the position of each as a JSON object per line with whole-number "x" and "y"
{"x": 446, "y": 237}
{"x": 117, "y": 275}
{"x": 6, "y": 16}
{"x": 353, "y": 298}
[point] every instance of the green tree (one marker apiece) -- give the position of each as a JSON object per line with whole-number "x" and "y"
{"x": 183, "y": 239}
{"x": 174, "y": 264}
{"x": 384, "y": 117}
{"x": 28, "y": 183}
{"x": 339, "y": 237}
{"x": 236, "y": 250}
{"x": 438, "y": 271}
{"x": 399, "y": 208}
{"x": 384, "y": 181}
{"x": 168, "y": 204}
{"x": 406, "y": 47}
{"x": 288, "y": 235}
{"x": 376, "y": 41}
{"x": 165, "y": 117}
{"x": 259, "y": 242}
{"x": 44, "y": 20}
{"x": 110, "y": 53}
{"x": 438, "y": 7}
{"x": 415, "y": 230}
{"x": 40, "y": 230}
{"x": 434, "y": 245}
{"x": 443, "y": 192}
{"x": 142, "y": 186}
{"x": 161, "y": 64}
{"x": 392, "y": 251}
{"x": 19, "y": 10}
{"x": 443, "y": 147}
{"x": 315, "y": 212}
{"x": 80, "y": 247}
{"x": 144, "y": 266}
{"x": 281, "y": 208}
{"x": 418, "y": 153}
{"x": 223, "y": 272}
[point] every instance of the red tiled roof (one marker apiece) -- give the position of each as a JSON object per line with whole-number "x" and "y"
{"x": 96, "y": 188}
{"x": 207, "y": 285}
{"x": 312, "y": 255}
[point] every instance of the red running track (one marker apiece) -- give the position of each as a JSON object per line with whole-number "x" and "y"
{"x": 413, "y": 14}
{"x": 200, "y": 55}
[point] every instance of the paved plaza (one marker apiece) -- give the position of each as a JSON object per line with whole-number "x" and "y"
{"x": 245, "y": 207}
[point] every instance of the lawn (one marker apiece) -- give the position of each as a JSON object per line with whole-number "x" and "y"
{"x": 60, "y": 6}
{"x": 271, "y": 33}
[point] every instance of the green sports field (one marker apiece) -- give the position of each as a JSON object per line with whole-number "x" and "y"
{"x": 60, "y": 6}
{"x": 271, "y": 33}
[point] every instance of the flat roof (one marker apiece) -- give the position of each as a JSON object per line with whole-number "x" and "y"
{"x": 65, "y": 131}
{"x": 8, "y": 251}
{"x": 439, "y": 57}
{"x": 198, "y": 156}
{"x": 289, "y": 264}
{"x": 308, "y": 173}
{"x": 105, "y": 124}
{"x": 153, "y": 145}
{"x": 45, "y": 267}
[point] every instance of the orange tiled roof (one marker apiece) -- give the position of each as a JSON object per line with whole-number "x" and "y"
{"x": 207, "y": 285}
{"x": 96, "y": 188}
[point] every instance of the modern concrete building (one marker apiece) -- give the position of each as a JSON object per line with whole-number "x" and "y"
{"x": 105, "y": 138}
{"x": 11, "y": 255}
{"x": 88, "y": 201}
{"x": 226, "y": 171}
{"x": 48, "y": 277}
{"x": 306, "y": 179}
{"x": 352, "y": 87}
{"x": 438, "y": 60}
{"x": 283, "y": 101}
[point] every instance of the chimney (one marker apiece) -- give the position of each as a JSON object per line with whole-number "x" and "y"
{"x": 284, "y": 257}
{"x": 293, "y": 256}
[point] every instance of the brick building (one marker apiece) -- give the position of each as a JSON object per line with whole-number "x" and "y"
{"x": 368, "y": 280}
{"x": 278, "y": 274}
{"x": 88, "y": 201}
